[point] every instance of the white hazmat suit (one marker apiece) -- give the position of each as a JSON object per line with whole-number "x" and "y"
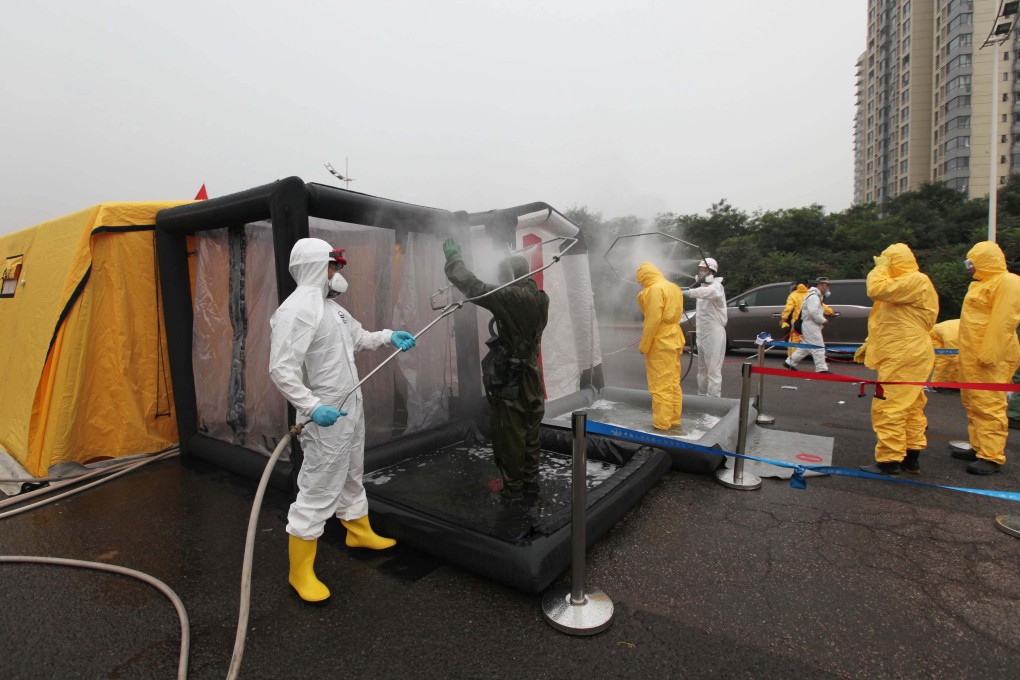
{"x": 710, "y": 330}
{"x": 311, "y": 362}
{"x": 812, "y": 315}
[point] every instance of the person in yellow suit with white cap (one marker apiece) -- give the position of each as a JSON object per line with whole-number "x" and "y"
{"x": 989, "y": 353}
{"x": 662, "y": 341}
{"x": 899, "y": 348}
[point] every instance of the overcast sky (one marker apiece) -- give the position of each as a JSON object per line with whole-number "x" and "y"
{"x": 629, "y": 108}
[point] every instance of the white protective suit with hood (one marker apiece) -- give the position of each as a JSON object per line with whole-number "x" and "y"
{"x": 710, "y": 331}
{"x": 311, "y": 362}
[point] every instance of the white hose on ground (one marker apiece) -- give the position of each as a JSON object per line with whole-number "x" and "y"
{"x": 60, "y": 484}
{"x": 107, "y": 478}
{"x": 104, "y": 466}
{"x": 249, "y": 552}
{"x": 68, "y": 480}
{"x": 182, "y": 665}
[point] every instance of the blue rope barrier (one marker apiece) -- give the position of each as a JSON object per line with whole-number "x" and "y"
{"x": 797, "y": 481}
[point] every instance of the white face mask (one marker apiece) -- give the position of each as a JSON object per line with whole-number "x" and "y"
{"x": 828, "y": 293}
{"x": 337, "y": 284}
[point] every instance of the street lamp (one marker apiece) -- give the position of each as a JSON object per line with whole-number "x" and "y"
{"x": 1002, "y": 29}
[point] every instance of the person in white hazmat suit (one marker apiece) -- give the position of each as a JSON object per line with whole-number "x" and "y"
{"x": 311, "y": 362}
{"x": 710, "y": 326}
{"x": 812, "y": 315}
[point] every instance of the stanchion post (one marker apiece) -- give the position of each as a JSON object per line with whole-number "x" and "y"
{"x": 762, "y": 419}
{"x": 578, "y": 501}
{"x": 577, "y": 610}
{"x": 735, "y": 477}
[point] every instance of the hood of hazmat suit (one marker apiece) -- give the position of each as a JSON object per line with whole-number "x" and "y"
{"x": 513, "y": 267}
{"x": 905, "y": 309}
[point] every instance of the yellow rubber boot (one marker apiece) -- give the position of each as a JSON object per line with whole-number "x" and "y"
{"x": 302, "y": 574}
{"x": 360, "y": 535}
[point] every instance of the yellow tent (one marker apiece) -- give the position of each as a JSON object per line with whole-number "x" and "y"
{"x": 83, "y": 363}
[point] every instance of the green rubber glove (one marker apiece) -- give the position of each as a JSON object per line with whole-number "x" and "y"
{"x": 450, "y": 248}
{"x": 881, "y": 261}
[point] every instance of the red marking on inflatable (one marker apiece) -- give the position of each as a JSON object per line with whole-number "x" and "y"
{"x": 810, "y": 458}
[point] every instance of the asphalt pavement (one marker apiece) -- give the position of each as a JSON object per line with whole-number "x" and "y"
{"x": 846, "y": 578}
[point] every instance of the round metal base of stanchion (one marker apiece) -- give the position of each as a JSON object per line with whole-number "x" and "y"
{"x": 763, "y": 419}
{"x": 959, "y": 445}
{"x": 748, "y": 481}
{"x": 594, "y": 616}
{"x": 1009, "y": 524}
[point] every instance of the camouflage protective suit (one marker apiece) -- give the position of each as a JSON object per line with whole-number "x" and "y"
{"x": 510, "y": 373}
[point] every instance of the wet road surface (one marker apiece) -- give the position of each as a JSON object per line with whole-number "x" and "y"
{"x": 847, "y": 578}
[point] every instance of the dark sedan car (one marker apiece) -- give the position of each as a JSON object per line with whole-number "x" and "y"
{"x": 759, "y": 309}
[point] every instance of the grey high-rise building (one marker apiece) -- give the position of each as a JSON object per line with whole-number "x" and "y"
{"x": 924, "y": 99}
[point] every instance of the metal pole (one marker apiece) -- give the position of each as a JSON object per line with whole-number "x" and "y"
{"x": 736, "y": 478}
{"x": 578, "y": 501}
{"x": 762, "y": 419}
{"x": 577, "y": 610}
{"x": 993, "y": 148}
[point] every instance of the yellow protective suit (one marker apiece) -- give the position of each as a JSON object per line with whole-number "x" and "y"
{"x": 792, "y": 310}
{"x": 944, "y": 336}
{"x": 662, "y": 341}
{"x": 900, "y": 349}
{"x": 989, "y": 350}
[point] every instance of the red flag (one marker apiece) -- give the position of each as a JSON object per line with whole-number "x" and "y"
{"x": 202, "y": 195}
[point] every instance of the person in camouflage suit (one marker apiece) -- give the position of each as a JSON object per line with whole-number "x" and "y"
{"x": 510, "y": 373}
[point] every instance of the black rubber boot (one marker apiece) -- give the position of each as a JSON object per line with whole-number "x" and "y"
{"x": 983, "y": 467}
{"x": 969, "y": 454}
{"x": 911, "y": 463}
{"x": 892, "y": 468}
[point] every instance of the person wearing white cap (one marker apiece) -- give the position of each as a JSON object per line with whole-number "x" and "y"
{"x": 710, "y": 326}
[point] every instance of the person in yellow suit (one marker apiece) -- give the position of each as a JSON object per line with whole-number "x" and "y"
{"x": 899, "y": 348}
{"x": 792, "y": 310}
{"x": 662, "y": 341}
{"x": 944, "y": 336}
{"x": 989, "y": 353}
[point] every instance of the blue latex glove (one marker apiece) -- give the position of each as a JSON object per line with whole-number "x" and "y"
{"x": 324, "y": 416}
{"x": 450, "y": 248}
{"x": 402, "y": 340}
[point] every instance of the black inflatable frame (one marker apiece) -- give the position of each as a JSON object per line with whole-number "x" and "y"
{"x": 287, "y": 204}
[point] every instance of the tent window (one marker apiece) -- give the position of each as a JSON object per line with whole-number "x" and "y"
{"x": 12, "y": 273}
